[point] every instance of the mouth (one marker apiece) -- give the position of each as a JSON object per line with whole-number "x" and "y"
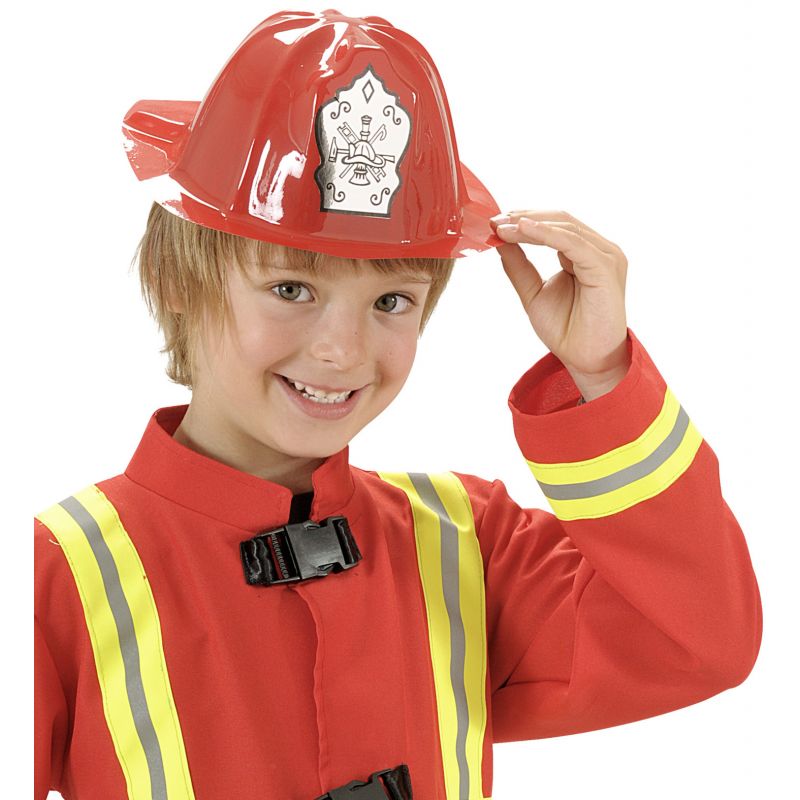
{"x": 318, "y": 395}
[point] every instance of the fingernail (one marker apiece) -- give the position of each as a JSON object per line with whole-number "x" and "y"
{"x": 508, "y": 228}
{"x": 499, "y": 219}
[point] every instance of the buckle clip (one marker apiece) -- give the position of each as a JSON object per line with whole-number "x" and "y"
{"x": 298, "y": 551}
{"x": 373, "y": 788}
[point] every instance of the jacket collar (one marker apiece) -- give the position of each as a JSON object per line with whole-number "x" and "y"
{"x": 188, "y": 478}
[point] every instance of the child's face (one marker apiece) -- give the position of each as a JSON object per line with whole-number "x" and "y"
{"x": 344, "y": 329}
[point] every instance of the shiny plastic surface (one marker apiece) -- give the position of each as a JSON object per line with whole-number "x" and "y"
{"x": 323, "y": 132}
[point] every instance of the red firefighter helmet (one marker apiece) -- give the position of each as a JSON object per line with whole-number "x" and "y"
{"x": 322, "y": 132}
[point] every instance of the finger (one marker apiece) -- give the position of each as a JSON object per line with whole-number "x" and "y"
{"x": 562, "y": 218}
{"x": 566, "y": 264}
{"x": 578, "y": 227}
{"x": 544, "y": 216}
{"x": 591, "y": 236}
{"x": 577, "y": 248}
{"x": 521, "y": 272}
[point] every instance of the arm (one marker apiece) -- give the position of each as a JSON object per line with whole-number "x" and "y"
{"x": 637, "y": 596}
{"x": 50, "y": 719}
{"x": 51, "y": 715}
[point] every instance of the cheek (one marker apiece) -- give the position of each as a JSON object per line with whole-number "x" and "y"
{"x": 262, "y": 342}
{"x": 398, "y": 358}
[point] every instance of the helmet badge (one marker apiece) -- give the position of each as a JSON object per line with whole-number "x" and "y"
{"x": 362, "y": 134}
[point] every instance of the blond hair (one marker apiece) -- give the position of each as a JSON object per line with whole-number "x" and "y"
{"x": 182, "y": 265}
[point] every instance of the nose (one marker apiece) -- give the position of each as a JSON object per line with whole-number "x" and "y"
{"x": 339, "y": 340}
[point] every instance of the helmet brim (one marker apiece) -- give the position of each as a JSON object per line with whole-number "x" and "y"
{"x": 154, "y": 135}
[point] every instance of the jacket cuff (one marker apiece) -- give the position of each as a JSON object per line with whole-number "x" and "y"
{"x": 617, "y": 445}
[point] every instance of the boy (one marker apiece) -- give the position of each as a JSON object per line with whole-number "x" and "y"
{"x": 242, "y": 613}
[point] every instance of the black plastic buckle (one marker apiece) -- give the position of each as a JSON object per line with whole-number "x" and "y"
{"x": 298, "y": 551}
{"x": 396, "y": 785}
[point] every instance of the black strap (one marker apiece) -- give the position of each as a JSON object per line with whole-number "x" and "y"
{"x": 392, "y": 783}
{"x": 301, "y": 506}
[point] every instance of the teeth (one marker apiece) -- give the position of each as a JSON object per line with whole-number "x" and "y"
{"x": 318, "y": 395}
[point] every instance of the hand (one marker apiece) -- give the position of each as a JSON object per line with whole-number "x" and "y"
{"x": 579, "y": 313}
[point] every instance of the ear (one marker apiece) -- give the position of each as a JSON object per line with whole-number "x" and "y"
{"x": 174, "y": 303}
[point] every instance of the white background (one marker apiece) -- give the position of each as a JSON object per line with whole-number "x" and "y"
{"x": 667, "y": 127}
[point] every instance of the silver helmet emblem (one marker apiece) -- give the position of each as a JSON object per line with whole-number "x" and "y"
{"x": 358, "y": 171}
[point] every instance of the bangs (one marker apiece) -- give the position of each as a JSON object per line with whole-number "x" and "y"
{"x": 258, "y": 255}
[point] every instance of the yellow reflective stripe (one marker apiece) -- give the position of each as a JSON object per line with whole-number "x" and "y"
{"x": 451, "y": 572}
{"x": 630, "y": 474}
{"x": 473, "y": 613}
{"x": 125, "y": 633}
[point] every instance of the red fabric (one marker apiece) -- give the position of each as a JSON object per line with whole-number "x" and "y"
{"x": 289, "y": 691}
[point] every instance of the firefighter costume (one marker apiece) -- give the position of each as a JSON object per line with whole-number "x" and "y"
{"x": 200, "y": 632}
{"x": 636, "y": 596}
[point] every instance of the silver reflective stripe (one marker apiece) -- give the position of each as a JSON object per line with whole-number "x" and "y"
{"x": 593, "y": 488}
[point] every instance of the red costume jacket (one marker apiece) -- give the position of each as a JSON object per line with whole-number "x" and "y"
{"x": 634, "y": 598}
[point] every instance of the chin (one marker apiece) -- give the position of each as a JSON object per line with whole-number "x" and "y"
{"x": 313, "y": 450}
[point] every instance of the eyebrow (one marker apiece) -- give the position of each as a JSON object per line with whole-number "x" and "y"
{"x": 404, "y": 277}
{"x": 409, "y": 278}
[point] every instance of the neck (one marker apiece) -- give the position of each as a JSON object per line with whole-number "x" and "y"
{"x": 235, "y": 448}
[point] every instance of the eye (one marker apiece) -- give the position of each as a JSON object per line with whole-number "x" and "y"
{"x": 389, "y": 303}
{"x": 290, "y": 291}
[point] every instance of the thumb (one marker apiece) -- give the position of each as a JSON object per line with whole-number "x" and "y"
{"x": 521, "y": 272}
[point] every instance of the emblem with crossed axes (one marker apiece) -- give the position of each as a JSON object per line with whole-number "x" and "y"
{"x": 361, "y": 155}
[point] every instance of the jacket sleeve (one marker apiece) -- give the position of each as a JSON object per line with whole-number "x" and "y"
{"x": 637, "y": 595}
{"x": 51, "y": 715}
